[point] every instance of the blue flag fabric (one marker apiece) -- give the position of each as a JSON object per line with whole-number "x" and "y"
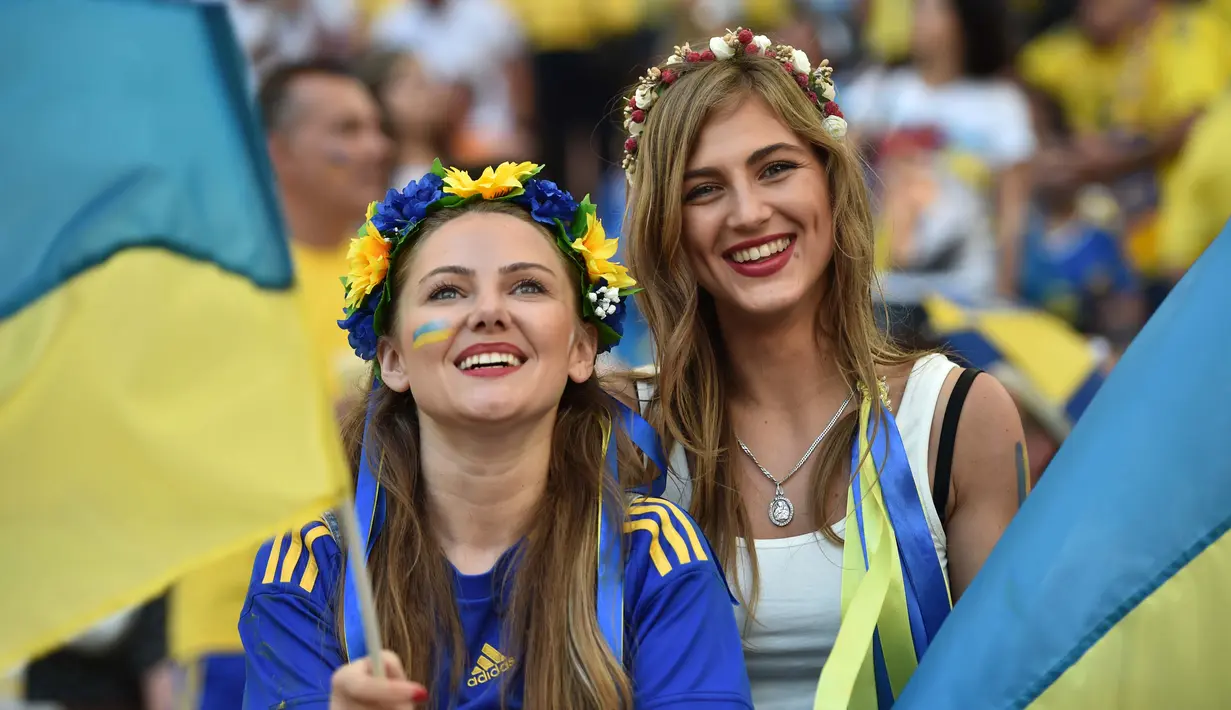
{"x": 1098, "y": 591}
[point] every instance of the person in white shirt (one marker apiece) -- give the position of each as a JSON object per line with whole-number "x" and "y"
{"x": 750, "y": 230}
{"x": 954, "y": 86}
{"x": 479, "y": 47}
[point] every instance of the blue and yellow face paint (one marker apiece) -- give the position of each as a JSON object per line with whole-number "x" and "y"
{"x": 435, "y": 331}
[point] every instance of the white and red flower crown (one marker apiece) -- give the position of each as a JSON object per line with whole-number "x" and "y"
{"x": 817, "y": 84}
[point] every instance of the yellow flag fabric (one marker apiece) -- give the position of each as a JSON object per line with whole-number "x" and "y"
{"x": 1194, "y": 676}
{"x": 137, "y": 447}
{"x": 159, "y": 404}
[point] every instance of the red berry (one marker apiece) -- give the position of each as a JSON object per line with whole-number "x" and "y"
{"x": 693, "y": 57}
{"x": 812, "y": 96}
{"x": 751, "y": 49}
{"x": 802, "y": 80}
{"x": 668, "y": 76}
{"x": 831, "y": 109}
{"x": 638, "y": 116}
{"x": 745, "y": 36}
{"x": 632, "y": 101}
{"x": 708, "y": 56}
{"x": 787, "y": 68}
{"x": 630, "y": 145}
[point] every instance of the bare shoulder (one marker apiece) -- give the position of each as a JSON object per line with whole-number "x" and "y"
{"x": 988, "y": 435}
{"x": 984, "y": 495}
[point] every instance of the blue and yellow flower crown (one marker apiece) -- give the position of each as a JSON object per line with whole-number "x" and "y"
{"x": 393, "y": 223}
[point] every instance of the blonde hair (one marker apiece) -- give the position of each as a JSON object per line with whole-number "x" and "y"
{"x": 550, "y": 623}
{"x": 689, "y": 403}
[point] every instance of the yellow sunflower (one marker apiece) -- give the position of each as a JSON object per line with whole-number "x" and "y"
{"x": 597, "y": 250}
{"x": 369, "y": 263}
{"x": 505, "y": 178}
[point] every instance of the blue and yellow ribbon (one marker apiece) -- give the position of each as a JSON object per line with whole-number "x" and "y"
{"x": 894, "y": 592}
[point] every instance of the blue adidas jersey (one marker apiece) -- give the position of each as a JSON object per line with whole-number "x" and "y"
{"x": 682, "y": 645}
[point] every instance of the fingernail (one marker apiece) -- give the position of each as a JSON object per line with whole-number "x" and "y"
{"x": 419, "y": 695}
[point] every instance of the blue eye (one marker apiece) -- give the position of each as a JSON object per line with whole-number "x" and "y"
{"x": 443, "y": 292}
{"x": 527, "y": 287}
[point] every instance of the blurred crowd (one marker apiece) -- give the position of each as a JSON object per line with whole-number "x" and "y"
{"x": 1061, "y": 154}
{"x": 1069, "y": 156}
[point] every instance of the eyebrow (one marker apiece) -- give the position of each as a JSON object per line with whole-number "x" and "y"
{"x": 756, "y": 156}
{"x": 506, "y": 269}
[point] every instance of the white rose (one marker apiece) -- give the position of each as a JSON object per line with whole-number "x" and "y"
{"x": 644, "y": 97}
{"x": 674, "y": 59}
{"x": 835, "y": 126}
{"x": 633, "y": 127}
{"x": 762, "y": 42}
{"x": 721, "y": 49}
{"x": 800, "y": 61}
{"x": 827, "y": 90}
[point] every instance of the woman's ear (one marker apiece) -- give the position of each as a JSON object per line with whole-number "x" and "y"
{"x": 585, "y": 349}
{"x": 392, "y": 366}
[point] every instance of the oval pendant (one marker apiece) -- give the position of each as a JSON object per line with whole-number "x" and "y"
{"x": 781, "y": 511}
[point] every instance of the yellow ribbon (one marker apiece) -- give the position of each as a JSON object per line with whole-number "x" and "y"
{"x": 872, "y": 598}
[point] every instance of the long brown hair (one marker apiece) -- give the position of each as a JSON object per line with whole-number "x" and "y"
{"x": 689, "y": 403}
{"x": 550, "y": 624}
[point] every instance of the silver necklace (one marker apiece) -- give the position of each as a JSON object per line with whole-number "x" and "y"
{"x": 781, "y": 510}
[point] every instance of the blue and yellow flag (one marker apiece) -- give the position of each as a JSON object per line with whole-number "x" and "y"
{"x": 158, "y": 404}
{"x": 1109, "y": 589}
{"x": 1051, "y": 369}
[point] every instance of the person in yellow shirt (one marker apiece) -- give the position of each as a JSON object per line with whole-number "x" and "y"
{"x": 1198, "y": 203}
{"x": 1116, "y": 93}
{"x": 330, "y": 160}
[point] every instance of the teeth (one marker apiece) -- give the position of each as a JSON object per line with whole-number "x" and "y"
{"x": 489, "y": 359}
{"x": 761, "y": 252}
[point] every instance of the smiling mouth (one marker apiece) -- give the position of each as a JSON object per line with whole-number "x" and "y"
{"x": 489, "y": 361}
{"x": 757, "y": 253}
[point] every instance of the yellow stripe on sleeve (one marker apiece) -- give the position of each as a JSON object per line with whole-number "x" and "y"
{"x": 308, "y": 581}
{"x": 661, "y": 563}
{"x": 697, "y": 548}
{"x": 667, "y": 527}
{"x": 271, "y": 565}
{"x": 292, "y": 558}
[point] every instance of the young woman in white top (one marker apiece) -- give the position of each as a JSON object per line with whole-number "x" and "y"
{"x": 750, "y": 230}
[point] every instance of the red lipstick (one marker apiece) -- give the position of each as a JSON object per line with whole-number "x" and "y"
{"x": 767, "y": 266}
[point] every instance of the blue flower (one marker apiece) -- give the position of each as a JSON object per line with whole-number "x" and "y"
{"x": 547, "y": 202}
{"x": 400, "y": 208}
{"x": 361, "y": 326}
{"x": 615, "y": 321}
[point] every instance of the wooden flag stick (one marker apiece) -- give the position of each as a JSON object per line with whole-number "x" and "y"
{"x": 356, "y": 557}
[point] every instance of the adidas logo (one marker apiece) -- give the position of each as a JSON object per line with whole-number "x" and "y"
{"x": 490, "y": 665}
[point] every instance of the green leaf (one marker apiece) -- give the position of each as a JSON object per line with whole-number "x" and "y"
{"x": 537, "y": 169}
{"x": 437, "y": 169}
{"x": 625, "y": 292}
{"x": 579, "y": 217}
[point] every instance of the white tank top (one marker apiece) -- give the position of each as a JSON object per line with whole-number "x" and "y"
{"x": 799, "y": 609}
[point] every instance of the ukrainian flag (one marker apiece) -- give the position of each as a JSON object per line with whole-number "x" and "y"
{"x": 158, "y": 404}
{"x": 1050, "y": 368}
{"x": 1109, "y": 589}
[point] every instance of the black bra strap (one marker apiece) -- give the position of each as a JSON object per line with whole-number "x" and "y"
{"x": 948, "y": 437}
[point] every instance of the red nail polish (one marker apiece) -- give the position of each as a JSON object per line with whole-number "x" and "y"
{"x": 419, "y": 696}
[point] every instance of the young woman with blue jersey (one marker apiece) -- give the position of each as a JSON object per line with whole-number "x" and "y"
{"x": 510, "y": 568}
